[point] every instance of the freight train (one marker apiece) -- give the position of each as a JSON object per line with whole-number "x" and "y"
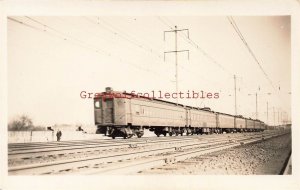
{"x": 121, "y": 114}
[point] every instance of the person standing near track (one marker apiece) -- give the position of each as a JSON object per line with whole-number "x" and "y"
{"x": 58, "y": 135}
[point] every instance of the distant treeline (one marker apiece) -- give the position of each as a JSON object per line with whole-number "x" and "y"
{"x": 23, "y": 123}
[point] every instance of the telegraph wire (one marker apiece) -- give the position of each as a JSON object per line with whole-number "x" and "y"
{"x": 20, "y": 22}
{"x": 121, "y": 34}
{"x": 80, "y": 43}
{"x": 236, "y": 28}
{"x": 124, "y": 36}
{"x": 116, "y": 31}
{"x": 193, "y": 43}
{"x": 188, "y": 40}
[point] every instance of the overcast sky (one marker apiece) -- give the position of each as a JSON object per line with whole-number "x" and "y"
{"x": 52, "y": 59}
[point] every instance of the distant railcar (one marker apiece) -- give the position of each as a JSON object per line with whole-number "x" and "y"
{"x": 225, "y": 122}
{"x": 202, "y": 121}
{"x": 250, "y": 125}
{"x": 257, "y": 125}
{"x": 240, "y": 123}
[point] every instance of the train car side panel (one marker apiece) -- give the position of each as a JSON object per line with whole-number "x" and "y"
{"x": 226, "y": 121}
{"x": 240, "y": 123}
{"x": 143, "y": 112}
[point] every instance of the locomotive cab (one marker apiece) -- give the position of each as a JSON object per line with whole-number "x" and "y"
{"x": 103, "y": 114}
{"x": 110, "y": 115}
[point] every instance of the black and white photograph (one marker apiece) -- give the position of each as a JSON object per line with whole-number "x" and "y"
{"x": 154, "y": 96}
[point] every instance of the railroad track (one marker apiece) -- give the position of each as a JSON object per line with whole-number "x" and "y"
{"x": 138, "y": 166}
{"x": 139, "y": 159}
{"x": 39, "y": 146}
{"x": 42, "y": 145}
{"x": 70, "y": 148}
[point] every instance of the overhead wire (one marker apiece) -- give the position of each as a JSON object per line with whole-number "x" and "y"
{"x": 117, "y": 31}
{"x": 194, "y": 44}
{"x": 187, "y": 39}
{"x": 70, "y": 38}
{"x": 237, "y": 30}
{"x": 125, "y": 36}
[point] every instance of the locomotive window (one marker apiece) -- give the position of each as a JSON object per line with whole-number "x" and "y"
{"x": 97, "y": 104}
{"x": 109, "y": 103}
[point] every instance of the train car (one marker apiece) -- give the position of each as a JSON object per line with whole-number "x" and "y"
{"x": 202, "y": 121}
{"x": 225, "y": 122}
{"x": 257, "y": 125}
{"x": 120, "y": 114}
{"x": 125, "y": 115}
{"x": 264, "y": 126}
{"x": 249, "y": 125}
{"x": 270, "y": 127}
{"x": 240, "y": 123}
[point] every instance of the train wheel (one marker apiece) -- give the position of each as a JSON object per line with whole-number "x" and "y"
{"x": 165, "y": 134}
{"x": 113, "y": 137}
{"x": 171, "y": 134}
{"x": 129, "y": 136}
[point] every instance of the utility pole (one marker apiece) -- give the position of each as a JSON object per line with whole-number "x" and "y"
{"x": 235, "y": 95}
{"x": 176, "y": 52}
{"x": 267, "y": 113}
{"x": 256, "y": 104}
{"x": 278, "y": 117}
{"x": 274, "y": 114}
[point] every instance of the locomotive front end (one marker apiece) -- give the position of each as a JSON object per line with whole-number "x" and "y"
{"x": 109, "y": 112}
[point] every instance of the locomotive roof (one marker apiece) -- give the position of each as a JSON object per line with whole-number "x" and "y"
{"x": 160, "y": 100}
{"x": 129, "y": 95}
{"x": 225, "y": 114}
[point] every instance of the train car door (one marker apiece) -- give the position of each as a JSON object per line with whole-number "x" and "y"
{"x": 109, "y": 111}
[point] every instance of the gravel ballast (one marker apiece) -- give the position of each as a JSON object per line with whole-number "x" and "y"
{"x": 263, "y": 158}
